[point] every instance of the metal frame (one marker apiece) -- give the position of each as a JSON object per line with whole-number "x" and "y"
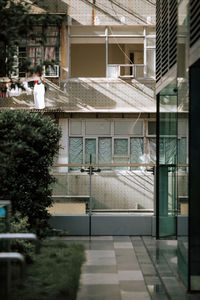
{"x": 106, "y": 36}
{"x": 112, "y": 136}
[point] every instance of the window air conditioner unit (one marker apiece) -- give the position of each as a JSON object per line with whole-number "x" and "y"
{"x": 51, "y": 71}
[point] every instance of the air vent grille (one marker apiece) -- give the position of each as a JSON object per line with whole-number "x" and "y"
{"x": 194, "y": 21}
{"x": 166, "y": 36}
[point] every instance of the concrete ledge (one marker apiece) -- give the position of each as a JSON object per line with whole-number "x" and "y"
{"x": 74, "y": 224}
{"x": 103, "y": 224}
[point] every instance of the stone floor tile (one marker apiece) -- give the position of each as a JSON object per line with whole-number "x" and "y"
{"x": 135, "y": 295}
{"x": 148, "y": 269}
{"x": 123, "y": 245}
{"x": 132, "y": 286}
{"x": 100, "y": 257}
{"x": 130, "y": 275}
{"x": 121, "y": 238}
{"x": 102, "y": 238}
{"x": 101, "y": 245}
{"x": 99, "y": 269}
{"x": 99, "y": 278}
{"x": 99, "y": 292}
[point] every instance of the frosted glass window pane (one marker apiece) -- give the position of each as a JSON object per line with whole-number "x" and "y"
{"x": 129, "y": 127}
{"x": 152, "y": 128}
{"x": 75, "y": 127}
{"x": 90, "y": 149}
{"x": 97, "y": 127}
{"x": 75, "y": 152}
{"x": 150, "y": 63}
{"x": 121, "y": 160}
{"x": 121, "y": 147}
{"x": 137, "y": 152}
{"x": 182, "y": 127}
{"x": 152, "y": 151}
{"x": 168, "y": 147}
{"x": 105, "y": 151}
{"x": 182, "y": 151}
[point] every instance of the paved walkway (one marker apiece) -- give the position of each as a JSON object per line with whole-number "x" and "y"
{"x": 130, "y": 268}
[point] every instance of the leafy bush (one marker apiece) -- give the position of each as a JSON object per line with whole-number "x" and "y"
{"x": 28, "y": 145}
{"x": 20, "y": 225}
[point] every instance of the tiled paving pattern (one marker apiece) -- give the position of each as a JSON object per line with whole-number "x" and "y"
{"x": 130, "y": 268}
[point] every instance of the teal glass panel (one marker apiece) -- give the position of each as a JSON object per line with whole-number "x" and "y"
{"x": 182, "y": 151}
{"x": 136, "y": 152}
{"x": 168, "y": 150}
{"x": 75, "y": 152}
{"x": 105, "y": 152}
{"x": 121, "y": 147}
{"x": 121, "y": 160}
{"x": 90, "y": 149}
{"x": 167, "y": 204}
{"x": 121, "y": 153}
{"x": 152, "y": 150}
{"x": 167, "y": 162}
{"x": 183, "y": 120}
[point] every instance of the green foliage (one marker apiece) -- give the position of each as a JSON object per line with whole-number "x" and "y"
{"x": 20, "y": 224}
{"x": 54, "y": 275}
{"x": 28, "y": 145}
{"x": 17, "y": 22}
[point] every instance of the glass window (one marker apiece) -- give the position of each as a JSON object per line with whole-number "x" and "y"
{"x": 121, "y": 160}
{"x": 105, "y": 151}
{"x": 90, "y": 149}
{"x": 137, "y": 152}
{"x": 75, "y": 151}
{"x": 167, "y": 150}
{"x": 182, "y": 151}
{"x": 151, "y": 127}
{"x": 121, "y": 147}
{"x": 151, "y": 62}
{"x": 152, "y": 150}
{"x": 41, "y": 45}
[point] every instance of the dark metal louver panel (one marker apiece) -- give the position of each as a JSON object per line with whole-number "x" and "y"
{"x": 166, "y": 36}
{"x": 194, "y": 21}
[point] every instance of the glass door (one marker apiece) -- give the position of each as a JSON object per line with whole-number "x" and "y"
{"x": 166, "y": 163}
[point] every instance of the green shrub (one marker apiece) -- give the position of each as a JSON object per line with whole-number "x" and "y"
{"x": 20, "y": 225}
{"x": 28, "y": 145}
{"x": 54, "y": 274}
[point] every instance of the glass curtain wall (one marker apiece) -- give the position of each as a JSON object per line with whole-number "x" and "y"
{"x": 167, "y": 148}
{"x": 182, "y": 170}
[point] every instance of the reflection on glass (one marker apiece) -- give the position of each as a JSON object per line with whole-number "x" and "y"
{"x": 105, "y": 151}
{"x": 75, "y": 152}
{"x": 90, "y": 149}
{"x": 137, "y": 151}
{"x": 167, "y": 161}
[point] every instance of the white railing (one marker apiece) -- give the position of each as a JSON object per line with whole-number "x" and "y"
{"x": 126, "y": 70}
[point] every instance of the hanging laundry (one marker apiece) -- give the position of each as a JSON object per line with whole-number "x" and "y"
{"x": 39, "y": 92}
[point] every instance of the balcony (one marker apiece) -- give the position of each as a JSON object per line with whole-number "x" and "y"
{"x": 88, "y": 95}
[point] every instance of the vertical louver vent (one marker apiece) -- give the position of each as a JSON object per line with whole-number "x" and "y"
{"x": 194, "y": 21}
{"x": 166, "y": 36}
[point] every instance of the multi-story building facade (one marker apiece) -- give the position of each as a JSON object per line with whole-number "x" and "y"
{"x": 102, "y": 93}
{"x": 177, "y": 71}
